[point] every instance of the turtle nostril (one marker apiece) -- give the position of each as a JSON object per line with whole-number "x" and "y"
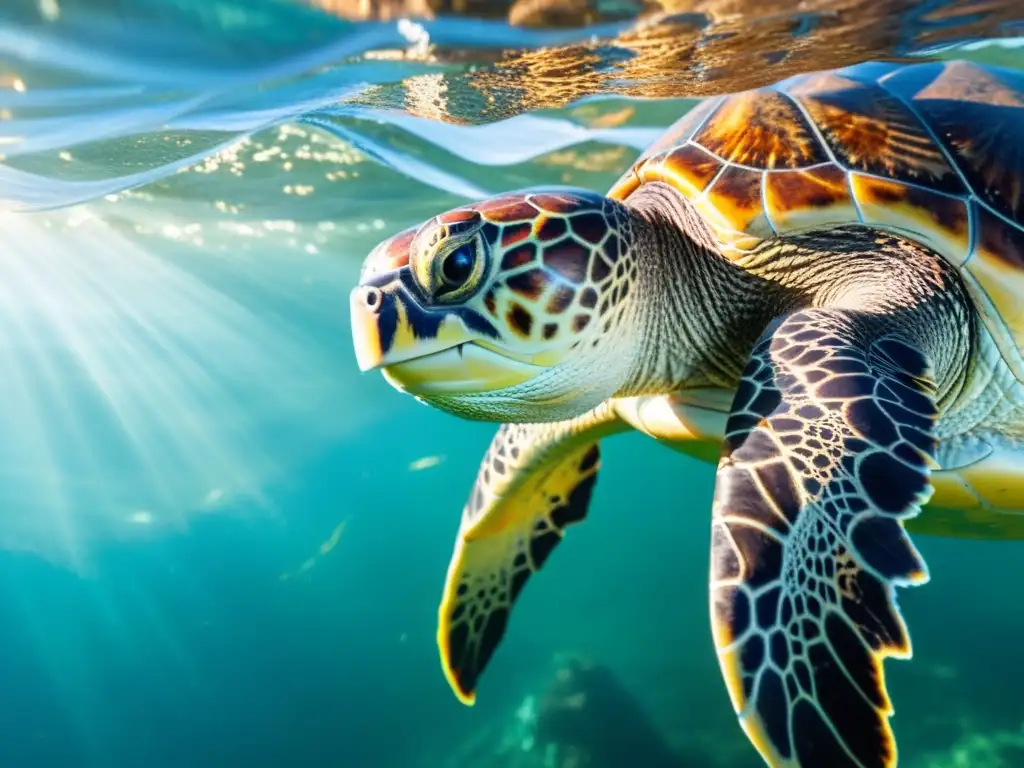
{"x": 372, "y": 298}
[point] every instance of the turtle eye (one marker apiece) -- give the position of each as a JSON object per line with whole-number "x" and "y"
{"x": 457, "y": 267}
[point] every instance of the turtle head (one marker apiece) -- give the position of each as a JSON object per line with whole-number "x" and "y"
{"x": 510, "y": 309}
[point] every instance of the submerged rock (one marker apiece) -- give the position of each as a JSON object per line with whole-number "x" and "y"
{"x": 588, "y": 719}
{"x": 583, "y": 718}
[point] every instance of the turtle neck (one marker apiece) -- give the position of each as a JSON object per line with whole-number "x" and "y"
{"x": 698, "y": 314}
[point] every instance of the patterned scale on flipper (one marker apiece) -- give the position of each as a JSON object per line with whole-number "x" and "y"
{"x": 933, "y": 151}
{"x": 826, "y": 455}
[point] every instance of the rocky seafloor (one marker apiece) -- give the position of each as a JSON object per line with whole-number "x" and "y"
{"x": 585, "y": 717}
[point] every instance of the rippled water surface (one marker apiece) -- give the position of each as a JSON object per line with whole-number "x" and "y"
{"x": 222, "y": 545}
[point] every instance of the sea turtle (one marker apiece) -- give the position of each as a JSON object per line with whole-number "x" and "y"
{"x": 818, "y": 286}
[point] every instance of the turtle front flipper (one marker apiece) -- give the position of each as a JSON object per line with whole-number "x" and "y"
{"x": 827, "y": 451}
{"x": 534, "y": 481}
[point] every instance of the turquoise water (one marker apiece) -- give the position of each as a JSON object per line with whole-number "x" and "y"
{"x": 222, "y": 545}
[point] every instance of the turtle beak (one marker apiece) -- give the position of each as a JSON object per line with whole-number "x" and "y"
{"x": 389, "y": 328}
{"x": 372, "y": 329}
{"x": 425, "y": 352}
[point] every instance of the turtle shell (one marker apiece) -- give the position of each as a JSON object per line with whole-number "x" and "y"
{"x": 932, "y": 151}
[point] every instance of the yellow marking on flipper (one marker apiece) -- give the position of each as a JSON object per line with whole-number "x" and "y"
{"x": 730, "y": 666}
{"x": 757, "y": 733}
{"x": 510, "y": 525}
{"x": 444, "y": 611}
{"x": 723, "y": 637}
{"x": 729, "y": 663}
{"x": 758, "y": 736}
{"x": 749, "y": 721}
{"x": 824, "y": 578}
{"x": 754, "y": 727}
{"x": 497, "y": 520}
{"x": 562, "y": 478}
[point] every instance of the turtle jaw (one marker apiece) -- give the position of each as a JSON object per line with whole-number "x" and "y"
{"x": 429, "y": 355}
{"x": 465, "y": 369}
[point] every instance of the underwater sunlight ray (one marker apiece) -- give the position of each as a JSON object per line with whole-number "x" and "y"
{"x": 138, "y": 394}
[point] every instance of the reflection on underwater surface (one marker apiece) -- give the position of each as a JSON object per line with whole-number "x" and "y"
{"x": 262, "y": 532}
{"x": 104, "y": 96}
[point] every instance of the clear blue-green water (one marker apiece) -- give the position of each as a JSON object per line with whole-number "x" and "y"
{"x": 221, "y": 544}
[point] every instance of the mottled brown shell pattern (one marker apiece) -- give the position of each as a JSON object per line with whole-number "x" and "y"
{"x": 933, "y": 151}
